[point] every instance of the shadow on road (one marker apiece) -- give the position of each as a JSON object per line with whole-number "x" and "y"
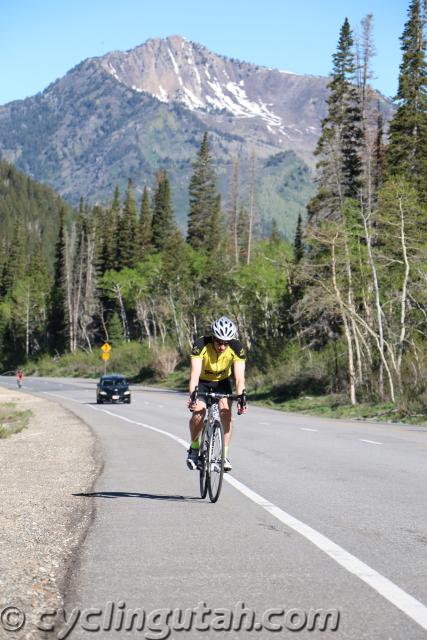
{"x": 145, "y": 496}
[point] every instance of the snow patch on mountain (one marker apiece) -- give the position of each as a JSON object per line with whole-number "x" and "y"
{"x": 163, "y": 97}
{"x": 113, "y": 71}
{"x": 175, "y": 66}
{"x": 233, "y": 98}
{"x": 191, "y": 100}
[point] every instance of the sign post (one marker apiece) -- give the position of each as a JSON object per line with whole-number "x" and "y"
{"x": 106, "y": 348}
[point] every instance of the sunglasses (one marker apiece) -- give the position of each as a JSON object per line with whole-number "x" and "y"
{"x": 224, "y": 342}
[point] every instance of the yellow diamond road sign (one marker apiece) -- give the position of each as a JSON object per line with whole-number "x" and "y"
{"x": 105, "y": 356}
{"x": 106, "y": 347}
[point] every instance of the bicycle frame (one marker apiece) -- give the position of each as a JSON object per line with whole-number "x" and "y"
{"x": 209, "y": 426}
{"x": 212, "y": 448}
{"x": 211, "y": 445}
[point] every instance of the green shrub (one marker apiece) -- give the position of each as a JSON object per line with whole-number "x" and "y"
{"x": 134, "y": 360}
{"x": 11, "y": 420}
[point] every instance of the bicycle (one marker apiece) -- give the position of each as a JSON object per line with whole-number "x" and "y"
{"x": 211, "y": 449}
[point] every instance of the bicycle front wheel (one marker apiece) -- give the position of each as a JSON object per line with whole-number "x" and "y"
{"x": 203, "y": 463}
{"x": 216, "y": 461}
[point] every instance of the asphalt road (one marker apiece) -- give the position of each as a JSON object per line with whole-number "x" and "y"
{"x": 317, "y": 515}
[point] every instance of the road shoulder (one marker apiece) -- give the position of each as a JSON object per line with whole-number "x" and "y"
{"x": 42, "y": 522}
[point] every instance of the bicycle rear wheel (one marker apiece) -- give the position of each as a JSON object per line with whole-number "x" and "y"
{"x": 216, "y": 461}
{"x": 203, "y": 463}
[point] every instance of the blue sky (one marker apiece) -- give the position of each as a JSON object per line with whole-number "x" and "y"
{"x": 41, "y": 40}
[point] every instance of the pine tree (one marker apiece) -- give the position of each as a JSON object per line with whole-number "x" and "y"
{"x": 110, "y": 229}
{"x": 96, "y": 229}
{"x": 82, "y": 207}
{"x": 127, "y": 242}
{"x": 243, "y": 233}
{"x": 216, "y": 232}
{"x": 28, "y": 301}
{"x": 163, "y": 217}
{"x": 39, "y": 278}
{"x": 298, "y": 245}
{"x": 407, "y": 152}
{"x": 57, "y": 325}
{"x": 115, "y": 330}
{"x": 274, "y": 233}
{"x": 339, "y": 146}
{"x": 378, "y": 153}
{"x": 15, "y": 265}
{"x": 202, "y": 193}
{"x": 145, "y": 224}
{"x": 3, "y": 259}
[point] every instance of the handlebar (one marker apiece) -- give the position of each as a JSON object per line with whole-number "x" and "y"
{"x": 241, "y": 398}
{"x": 217, "y": 396}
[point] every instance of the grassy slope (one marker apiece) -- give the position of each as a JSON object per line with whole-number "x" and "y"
{"x": 12, "y": 420}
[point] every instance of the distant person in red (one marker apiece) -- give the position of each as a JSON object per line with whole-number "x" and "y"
{"x": 19, "y": 377}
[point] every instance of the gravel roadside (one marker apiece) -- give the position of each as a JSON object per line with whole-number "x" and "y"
{"x": 41, "y": 522}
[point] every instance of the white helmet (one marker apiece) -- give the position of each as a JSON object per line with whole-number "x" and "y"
{"x": 224, "y": 328}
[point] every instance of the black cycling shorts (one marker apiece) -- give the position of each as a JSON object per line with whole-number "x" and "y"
{"x": 222, "y": 386}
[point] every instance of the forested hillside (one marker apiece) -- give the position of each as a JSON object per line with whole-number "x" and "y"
{"x": 343, "y": 311}
{"x": 29, "y": 213}
{"x": 126, "y": 272}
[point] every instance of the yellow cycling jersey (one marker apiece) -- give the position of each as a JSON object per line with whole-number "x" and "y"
{"x": 217, "y": 366}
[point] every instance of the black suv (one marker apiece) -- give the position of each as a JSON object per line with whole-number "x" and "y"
{"x": 112, "y": 388}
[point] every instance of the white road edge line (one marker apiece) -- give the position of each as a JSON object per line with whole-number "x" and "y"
{"x": 371, "y": 441}
{"x": 412, "y": 607}
{"x": 307, "y": 429}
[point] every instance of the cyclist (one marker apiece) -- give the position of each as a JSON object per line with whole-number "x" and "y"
{"x": 19, "y": 377}
{"x": 211, "y": 360}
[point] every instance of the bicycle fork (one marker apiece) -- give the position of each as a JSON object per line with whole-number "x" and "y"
{"x": 214, "y": 463}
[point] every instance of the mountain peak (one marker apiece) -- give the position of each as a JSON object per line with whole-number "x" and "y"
{"x": 175, "y": 69}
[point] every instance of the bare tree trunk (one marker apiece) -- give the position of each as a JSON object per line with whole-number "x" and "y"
{"x": 162, "y": 330}
{"x": 69, "y": 245}
{"x": 404, "y": 296}
{"x": 252, "y": 186}
{"x": 233, "y": 208}
{"x": 363, "y": 322}
{"x": 142, "y": 313}
{"x": 27, "y": 325}
{"x": 350, "y": 302}
{"x": 76, "y": 298}
{"x": 104, "y": 326}
{"x": 365, "y": 344}
{"x": 88, "y": 304}
{"x": 153, "y": 319}
{"x": 86, "y": 338}
{"x": 123, "y": 316}
{"x": 368, "y": 237}
{"x": 178, "y": 329}
{"x": 368, "y": 52}
{"x": 147, "y": 330}
{"x": 351, "y": 369}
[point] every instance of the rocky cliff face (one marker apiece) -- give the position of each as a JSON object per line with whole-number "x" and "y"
{"x": 281, "y": 108}
{"x": 127, "y": 114}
